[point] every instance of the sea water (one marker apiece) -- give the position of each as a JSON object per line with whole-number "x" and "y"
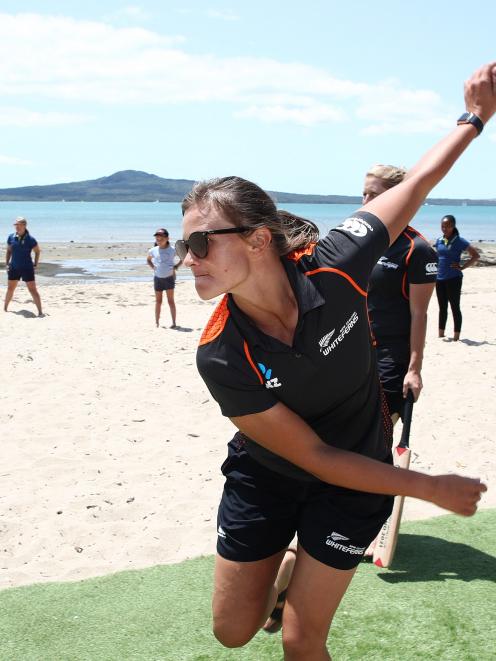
{"x": 123, "y": 222}
{"x": 135, "y": 222}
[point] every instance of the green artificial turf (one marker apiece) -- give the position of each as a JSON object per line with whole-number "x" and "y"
{"x": 437, "y": 602}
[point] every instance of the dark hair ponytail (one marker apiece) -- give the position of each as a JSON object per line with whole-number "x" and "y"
{"x": 245, "y": 204}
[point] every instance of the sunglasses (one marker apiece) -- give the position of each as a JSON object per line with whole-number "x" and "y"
{"x": 198, "y": 241}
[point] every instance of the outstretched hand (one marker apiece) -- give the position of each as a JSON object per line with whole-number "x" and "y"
{"x": 458, "y": 494}
{"x": 480, "y": 92}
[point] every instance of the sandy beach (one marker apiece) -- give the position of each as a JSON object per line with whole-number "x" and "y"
{"x": 111, "y": 443}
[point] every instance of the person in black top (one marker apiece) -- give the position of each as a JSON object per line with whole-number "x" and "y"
{"x": 400, "y": 288}
{"x": 288, "y": 356}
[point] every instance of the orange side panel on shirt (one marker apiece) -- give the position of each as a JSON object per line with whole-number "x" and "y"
{"x": 216, "y": 323}
{"x": 250, "y": 360}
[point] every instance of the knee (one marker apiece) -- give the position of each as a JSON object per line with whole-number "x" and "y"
{"x": 232, "y": 634}
{"x": 299, "y": 644}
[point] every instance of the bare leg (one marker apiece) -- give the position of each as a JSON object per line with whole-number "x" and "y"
{"x": 456, "y": 336}
{"x": 244, "y": 595}
{"x": 158, "y": 306}
{"x": 172, "y": 305}
{"x": 273, "y": 623}
{"x": 314, "y": 594}
{"x": 36, "y": 297}
{"x": 11, "y": 285}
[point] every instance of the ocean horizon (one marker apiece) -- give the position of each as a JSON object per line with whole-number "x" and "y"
{"x": 135, "y": 222}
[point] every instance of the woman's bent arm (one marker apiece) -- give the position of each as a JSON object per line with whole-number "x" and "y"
{"x": 283, "y": 432}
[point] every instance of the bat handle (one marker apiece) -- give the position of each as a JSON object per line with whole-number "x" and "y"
{"x": 407, "y": 419}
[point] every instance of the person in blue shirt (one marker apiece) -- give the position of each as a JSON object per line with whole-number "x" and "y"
{"x": 449, "y": 277}
{"x": 19, "y": 263}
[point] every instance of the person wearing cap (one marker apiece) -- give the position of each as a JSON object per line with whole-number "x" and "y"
{"x": 164, "y": 262}
{"x": 19, "y": 263}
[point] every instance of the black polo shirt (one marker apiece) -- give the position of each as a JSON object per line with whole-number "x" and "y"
{"x": 409, "y": 260}
{"x": 329, "y": 375}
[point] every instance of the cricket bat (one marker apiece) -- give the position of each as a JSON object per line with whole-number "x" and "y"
{"x": 385, "y": 544}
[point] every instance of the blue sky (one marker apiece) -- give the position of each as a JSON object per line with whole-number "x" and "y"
{"x": 299, "y": 97}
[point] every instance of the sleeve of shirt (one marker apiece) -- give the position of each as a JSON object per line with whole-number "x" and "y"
{"x": 33, "y": 242}
{"x": 464, "y": 244}
{"x": 355, "y": 246}
{"x": 422, "y": 266}
{"x": 232, "y": 381}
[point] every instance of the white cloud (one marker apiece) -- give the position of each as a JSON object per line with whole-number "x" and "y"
{"x": 224, "y": 15}
{"x": 61, "y": 58}
{"x": 13, "y": 160}
{"x": 13, "y": 116}
{"x": 306, "y": 115}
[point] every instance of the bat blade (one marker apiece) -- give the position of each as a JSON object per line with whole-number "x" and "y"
{"x": 385, "y": 544}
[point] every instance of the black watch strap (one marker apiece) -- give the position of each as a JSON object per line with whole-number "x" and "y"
{"x": 470, "y": 118}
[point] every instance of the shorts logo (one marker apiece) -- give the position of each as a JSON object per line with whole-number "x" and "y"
{"x": 267, "y": 372}
{"x": 221, "y": 532}
{"x": 431, "y": 268}
{"x": 334, "y": 541}
{"x": 325, "y": 344}
{"x": 388, "y": 265}
{"x": 356, "y": 226}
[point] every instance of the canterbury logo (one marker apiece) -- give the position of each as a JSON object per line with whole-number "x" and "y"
{"x": 431, "y": 268}
{"x": 356, "y": 226}
{"x": 324, "y": 341}
{"x": 221, "y": 532}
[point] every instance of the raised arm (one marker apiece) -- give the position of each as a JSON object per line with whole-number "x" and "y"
{"x": 283, "y": 432}
{"x": 397, "y": 206}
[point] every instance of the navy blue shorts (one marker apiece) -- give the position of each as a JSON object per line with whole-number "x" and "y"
{"x": 261, "y": 510}
{"x": 162, "y": 284}
{"x": 27, "y": 274}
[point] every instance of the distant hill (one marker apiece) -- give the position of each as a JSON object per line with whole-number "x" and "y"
{"x": 137, "y": 186}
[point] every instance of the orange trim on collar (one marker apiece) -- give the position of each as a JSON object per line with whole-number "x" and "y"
{"x": 216, "y": 323}
{"x": 296, "y": 255}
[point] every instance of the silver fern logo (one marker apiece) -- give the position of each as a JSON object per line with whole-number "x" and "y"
{"x": 324, "y": 341}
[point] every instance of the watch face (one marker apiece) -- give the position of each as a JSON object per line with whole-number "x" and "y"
{"x": 465, "y": 117}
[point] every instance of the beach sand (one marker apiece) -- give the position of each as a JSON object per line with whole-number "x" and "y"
{"x": 111, "y": 443}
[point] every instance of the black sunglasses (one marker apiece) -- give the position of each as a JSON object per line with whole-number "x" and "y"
{"x": 198, "y": 241}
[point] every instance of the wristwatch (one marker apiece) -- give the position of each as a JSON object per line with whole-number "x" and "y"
{"x": 470, "y": 118}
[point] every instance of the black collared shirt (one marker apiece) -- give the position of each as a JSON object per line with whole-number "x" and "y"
{"x": 329, "y": 375}
{"x": 409, "y": 260}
